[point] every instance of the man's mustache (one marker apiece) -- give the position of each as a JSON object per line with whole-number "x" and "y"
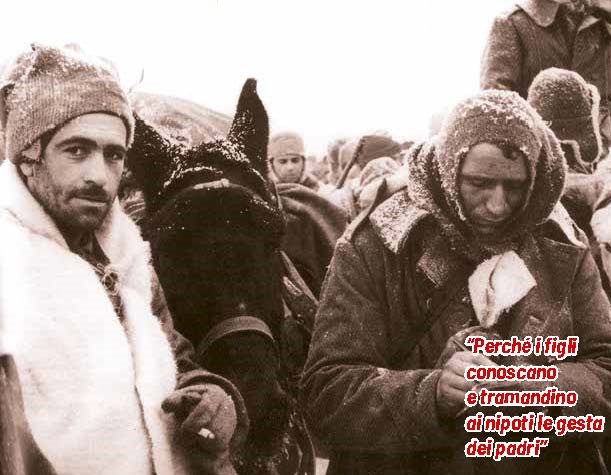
{"x": 91, "y": 193}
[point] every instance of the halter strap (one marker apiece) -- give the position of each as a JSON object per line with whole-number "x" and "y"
{"x": 241, "y": 324}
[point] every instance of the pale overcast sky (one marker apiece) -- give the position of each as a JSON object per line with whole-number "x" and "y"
{"x": 325, "y": 68}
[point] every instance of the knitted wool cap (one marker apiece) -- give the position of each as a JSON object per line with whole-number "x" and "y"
{"x": 571, "y": 107}
{"x": 47, "y": 87}
{"x": 285, "y": 143}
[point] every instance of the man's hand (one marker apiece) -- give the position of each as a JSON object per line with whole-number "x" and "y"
{"x": 206, "y": 415}
{"x": 601, "y": 225}
{"x": 452, "y": 385}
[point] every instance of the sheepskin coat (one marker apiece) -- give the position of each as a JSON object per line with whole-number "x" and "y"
{"x": 92, "y": 386}
{"x": 532, "y": 36}
{"x": 373, "y": 404}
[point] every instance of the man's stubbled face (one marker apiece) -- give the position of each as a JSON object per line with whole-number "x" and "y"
{"x": 77, "y": 178}
{"x": 492, "y": 187}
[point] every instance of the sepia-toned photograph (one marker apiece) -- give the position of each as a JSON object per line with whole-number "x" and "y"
{"x": 289, "y": 237}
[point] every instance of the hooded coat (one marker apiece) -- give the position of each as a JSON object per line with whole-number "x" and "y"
{"x": 537, "y": 34}
{"x": 396, "y": 293}
{"x": 92, "y": 386}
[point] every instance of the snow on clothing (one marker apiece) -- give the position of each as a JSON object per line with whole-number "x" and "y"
{"x": 397, "y": 293}
{"x": 46, "y": 87}
{"x": 92, "y": 387}
{"x": 538, "y": 34}
{"x": 496, "y": 117}
{"x": 374, "y": 408}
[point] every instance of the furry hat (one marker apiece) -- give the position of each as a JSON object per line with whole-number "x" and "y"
{"x": 571, "y": 107}
{"x": 285, "y": 143}
{"x": 46, "y": 87}
{"x": 501, "y": 118}
{"x": 376, "y": 146}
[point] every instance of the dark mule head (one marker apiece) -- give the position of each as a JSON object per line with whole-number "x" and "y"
{"x": 215, "y": 231}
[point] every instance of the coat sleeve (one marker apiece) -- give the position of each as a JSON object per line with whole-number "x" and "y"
{"x": 502, "y": 60}
{"x": 189, "y": 373}
{"x": 353, "y": 400}
{"x": 590, "y": 374}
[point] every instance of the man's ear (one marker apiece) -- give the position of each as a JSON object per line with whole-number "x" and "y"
{"x": 27, "y": 168}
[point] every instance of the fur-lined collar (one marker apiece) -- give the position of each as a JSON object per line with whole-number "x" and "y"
{"x": 118, "y": 236}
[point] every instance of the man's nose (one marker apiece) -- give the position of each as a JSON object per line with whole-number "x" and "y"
{"x": 95, "y": 169}
{"x": 497, "y": 204}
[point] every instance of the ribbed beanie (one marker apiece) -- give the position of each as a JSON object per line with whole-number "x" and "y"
{"x": 46, "y": 87}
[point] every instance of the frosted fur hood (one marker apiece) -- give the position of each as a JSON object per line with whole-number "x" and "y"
{"x": 493, "y": 117}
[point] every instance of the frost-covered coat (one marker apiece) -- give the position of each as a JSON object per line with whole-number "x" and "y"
{"x": 92, "y": 386}
{"x": 531, "y": 37}
{"x": 374, "y": 406}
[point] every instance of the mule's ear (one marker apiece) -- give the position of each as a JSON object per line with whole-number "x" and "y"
{"x": 250, "y": 127}
{"x": 150, "y": 160}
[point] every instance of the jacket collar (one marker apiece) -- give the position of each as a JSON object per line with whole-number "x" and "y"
{"x": 118, "y": 236}
{"x": 543, "y": 13}
{"x": 553, "y": 264}
{"x": 394, "y": 219}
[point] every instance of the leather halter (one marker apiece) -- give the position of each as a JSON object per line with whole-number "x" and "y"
{"x": 232, "y": 325}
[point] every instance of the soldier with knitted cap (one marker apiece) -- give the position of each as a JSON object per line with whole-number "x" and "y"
{"x": 82, "y": 311}
{"x": 475, "y": 245}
